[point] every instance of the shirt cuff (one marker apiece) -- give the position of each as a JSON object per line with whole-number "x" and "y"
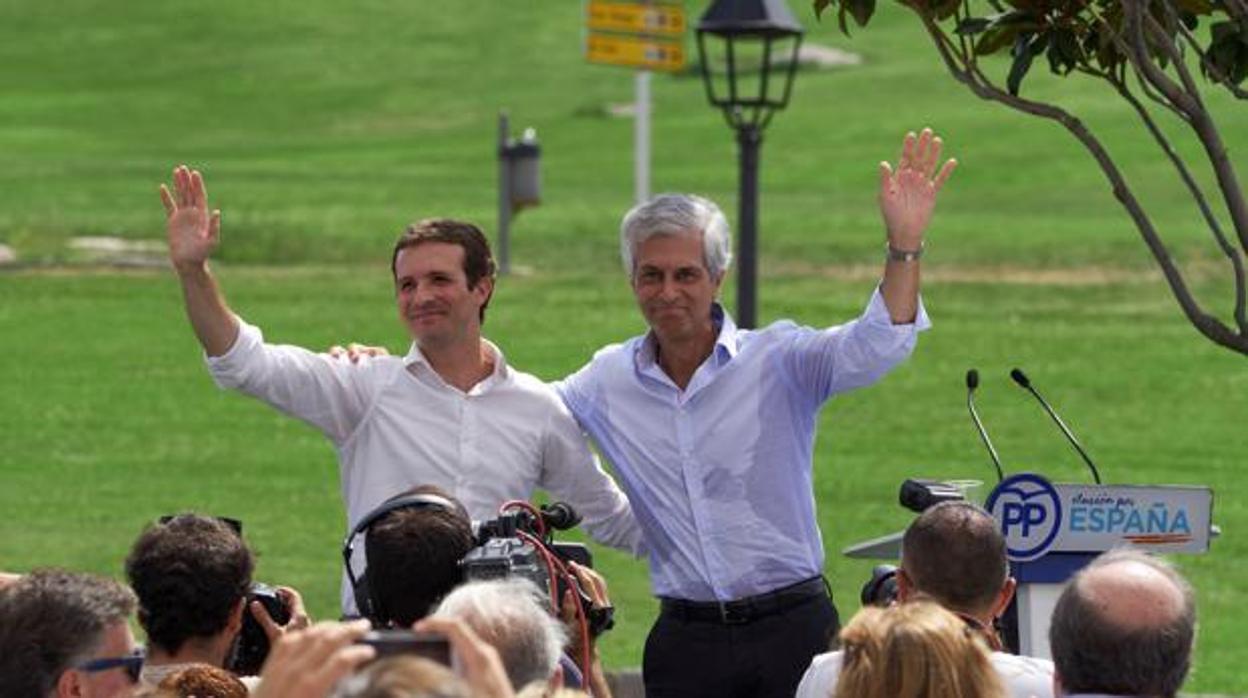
{"x": 877, "y": 314}
{"x": 229, "y": 369}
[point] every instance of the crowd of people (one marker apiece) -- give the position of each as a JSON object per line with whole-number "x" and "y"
{"x": 709, "y": 428}
{"x": 1123, "y": 626}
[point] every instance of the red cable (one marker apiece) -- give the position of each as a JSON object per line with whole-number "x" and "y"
{"x": 521, "y": 504}
{"x": 555, "y": 566}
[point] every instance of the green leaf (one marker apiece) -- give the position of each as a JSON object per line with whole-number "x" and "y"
{"x": 1064, "y": 53}
{"x": 1194, "y": 7}
{"x": 842, "y": 17}
{"x": 820, "y": 6}
{"x": 1022, "y": 63}
{"x": 972, "y": 25}
{"x": 945, "y": 9}
{"x": 1003, "y": 30}
{"x": 861, "y": 10}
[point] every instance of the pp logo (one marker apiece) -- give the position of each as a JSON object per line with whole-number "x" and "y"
{"x": 1030, "y": 513}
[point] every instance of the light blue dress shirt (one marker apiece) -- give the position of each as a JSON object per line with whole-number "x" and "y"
{"x": 719, "y": 474}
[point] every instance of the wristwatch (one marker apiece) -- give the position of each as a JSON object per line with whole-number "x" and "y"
{"x": 896, "y": 255}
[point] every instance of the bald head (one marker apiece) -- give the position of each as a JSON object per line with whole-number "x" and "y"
{"x": 1124, "y": 625}
{"x": 1132, "y": 595}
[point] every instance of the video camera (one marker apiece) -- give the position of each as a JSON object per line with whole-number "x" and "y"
{"x": 519, "y": 543}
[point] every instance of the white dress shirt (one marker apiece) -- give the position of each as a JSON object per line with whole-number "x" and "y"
{"x": 395, "y": 424}
{"x": 1023, "y": 677}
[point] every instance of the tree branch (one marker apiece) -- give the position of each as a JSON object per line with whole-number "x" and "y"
{"x": 1136, "y": 51}
{"x": 1231, "y": 252}
{"x": 1208, "y": 325}
{"x": 1200, "y": 121}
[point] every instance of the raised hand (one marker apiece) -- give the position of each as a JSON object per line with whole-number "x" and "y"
{"x": 193, "y": 229}
{"x": 908, "y": 195}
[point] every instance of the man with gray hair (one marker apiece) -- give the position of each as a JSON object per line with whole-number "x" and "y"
{"x": 1123, "y": 626}
{"x": 509, "y": 615}
{"x": 66, "y": 634}
{"x": 711, "y": 430}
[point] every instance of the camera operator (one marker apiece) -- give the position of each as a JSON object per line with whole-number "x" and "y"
{"x": 413, "y": 555}
{"x": 192, "y": 575}
{"x": 954, "y": 554}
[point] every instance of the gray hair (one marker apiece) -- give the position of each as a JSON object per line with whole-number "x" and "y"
{"x": 681, "y": 215}
{"x": 511, "y": 615}
{"x": 1095, "y": 653}
{"x": 52, "y": 620}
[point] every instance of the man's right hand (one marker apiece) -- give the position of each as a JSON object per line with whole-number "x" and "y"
{"x": 193, "y": 230}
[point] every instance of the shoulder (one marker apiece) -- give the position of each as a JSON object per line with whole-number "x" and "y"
{"x": 609, "y": 360}
{"x": 821, "y": 678}
{"x": 1024, "y": 676}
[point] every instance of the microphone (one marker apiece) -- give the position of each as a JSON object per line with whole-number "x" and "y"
{"x": 1021, "y": 378}
{"x": 972, "y": 382}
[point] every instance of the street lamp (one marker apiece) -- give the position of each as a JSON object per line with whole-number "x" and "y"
{"x": 748, "y": 71}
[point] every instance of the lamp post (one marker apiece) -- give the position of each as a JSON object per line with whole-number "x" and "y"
{"x": 748, "y": 51}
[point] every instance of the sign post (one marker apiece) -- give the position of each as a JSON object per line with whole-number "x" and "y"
{"x": 646, "y": 36}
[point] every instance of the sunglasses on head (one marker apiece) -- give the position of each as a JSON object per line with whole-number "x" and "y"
{"x": 232, "y": 523}
{"x": 132, "y": 663}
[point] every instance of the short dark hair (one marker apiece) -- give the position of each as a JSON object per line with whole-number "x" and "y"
{"x": 478, "y": 260}
{"x": 51, "y": 620}
{"x": 954, "y": 552}
{"x": 1093, "y": 653}
{"x": 189, "y": 573}
{"x": 413, "y": 558}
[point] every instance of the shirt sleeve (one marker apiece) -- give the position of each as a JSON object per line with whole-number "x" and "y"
{"x": 854, "y": 354}
{"x": 328, "y": 394}
{"x": 571, "y": 472}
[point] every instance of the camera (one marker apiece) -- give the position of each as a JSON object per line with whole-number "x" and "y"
{"x": 390, "y": 643}
{"x": 252, "y": 647}
{"x": 519, "y": 543}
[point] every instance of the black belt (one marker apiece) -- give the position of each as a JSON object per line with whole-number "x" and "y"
{"x": 748, "y": 609}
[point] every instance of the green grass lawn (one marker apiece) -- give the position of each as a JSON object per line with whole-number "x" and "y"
{"x": 323, "y": 128}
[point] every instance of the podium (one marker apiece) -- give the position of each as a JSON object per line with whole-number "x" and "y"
{"x": 1053, "y": 530}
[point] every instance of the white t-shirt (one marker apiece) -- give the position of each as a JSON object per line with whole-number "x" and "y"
{"x": 1024, "y": 677}
{"x": 395, "y": 424}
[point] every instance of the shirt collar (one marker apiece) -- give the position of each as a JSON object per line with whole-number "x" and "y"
{"x": 415, "y": 360}
{"x": 727, "y": 341}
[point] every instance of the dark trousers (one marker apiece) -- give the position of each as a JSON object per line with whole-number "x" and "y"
{"x": 762, "y": 658}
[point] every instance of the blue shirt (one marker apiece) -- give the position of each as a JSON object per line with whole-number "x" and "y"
{"x": 719, "y": 474}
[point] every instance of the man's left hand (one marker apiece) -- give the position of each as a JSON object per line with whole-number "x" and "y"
{"x": 908, "y": 194}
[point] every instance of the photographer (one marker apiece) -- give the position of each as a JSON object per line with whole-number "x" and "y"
{"x": 193, "y": 575}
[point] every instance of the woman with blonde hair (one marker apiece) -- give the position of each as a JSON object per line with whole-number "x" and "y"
{"x": 914, "y": 650}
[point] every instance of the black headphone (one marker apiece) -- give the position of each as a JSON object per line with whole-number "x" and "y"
{"x": 365, "y": 603}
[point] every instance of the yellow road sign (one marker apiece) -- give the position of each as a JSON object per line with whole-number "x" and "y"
{"x": 635, "y": 18}
{"x": 635, "y": 51}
